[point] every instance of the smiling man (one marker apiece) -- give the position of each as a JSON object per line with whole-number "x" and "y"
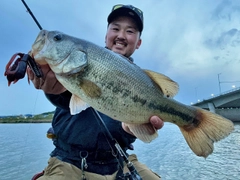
{"x": 79, "y": 140}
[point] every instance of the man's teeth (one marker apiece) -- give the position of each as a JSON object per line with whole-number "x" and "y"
{"x": 118, "y": 44}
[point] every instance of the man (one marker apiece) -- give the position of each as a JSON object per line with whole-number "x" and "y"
{"x": 81, "y": 148}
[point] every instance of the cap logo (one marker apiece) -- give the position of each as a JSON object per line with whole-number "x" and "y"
{"x": 131, "y": 13}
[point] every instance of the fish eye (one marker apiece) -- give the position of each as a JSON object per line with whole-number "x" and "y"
{"x": 57, "y": 37}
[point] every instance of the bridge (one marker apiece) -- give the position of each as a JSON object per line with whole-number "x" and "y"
{"x": 226, "y": 104}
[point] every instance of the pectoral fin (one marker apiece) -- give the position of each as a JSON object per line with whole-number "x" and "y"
{"x": 144, "y": 132}
{"x": 77, "y": 105}
{"x": 168, "y": 86}
{"x": 90, "y": 88}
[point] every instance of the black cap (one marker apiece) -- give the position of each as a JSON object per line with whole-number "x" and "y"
{"x": 127, "y": 10}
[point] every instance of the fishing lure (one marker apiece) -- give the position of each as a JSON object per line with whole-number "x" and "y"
{"x": 17, "y": 66}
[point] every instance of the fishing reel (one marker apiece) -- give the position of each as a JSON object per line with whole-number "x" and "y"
{"x": 129, "y": 176}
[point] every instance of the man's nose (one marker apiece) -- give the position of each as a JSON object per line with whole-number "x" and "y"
{"x": 121, "y": 35}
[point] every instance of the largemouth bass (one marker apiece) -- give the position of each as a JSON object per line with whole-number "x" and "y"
{"x": 115, "y": 86}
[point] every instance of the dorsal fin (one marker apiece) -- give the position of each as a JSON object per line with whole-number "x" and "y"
{"x": 168, "y": 86}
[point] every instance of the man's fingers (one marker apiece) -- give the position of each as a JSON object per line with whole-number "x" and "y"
{"x": 30, "y": 74}
{"x": 156, "y": 122}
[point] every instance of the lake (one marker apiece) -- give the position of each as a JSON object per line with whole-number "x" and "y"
{"x": 25, "y": 151}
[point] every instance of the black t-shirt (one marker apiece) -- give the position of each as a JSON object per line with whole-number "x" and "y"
{"x": 82, "y": 133}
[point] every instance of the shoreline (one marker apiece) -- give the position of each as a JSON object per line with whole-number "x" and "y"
{"x": 7, "y": 121}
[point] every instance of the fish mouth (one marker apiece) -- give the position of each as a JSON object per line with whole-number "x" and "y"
{"x": 38, "y": 47}
{"x": 43, "y": 52}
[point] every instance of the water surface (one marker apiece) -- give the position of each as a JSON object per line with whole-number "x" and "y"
{"x": 25, "y": 151}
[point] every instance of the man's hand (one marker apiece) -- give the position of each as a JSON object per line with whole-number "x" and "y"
{"x": 155, "y": 121}
{"x": 48, "y": 83}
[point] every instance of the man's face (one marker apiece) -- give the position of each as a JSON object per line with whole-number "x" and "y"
{"x": 123, "y": 36}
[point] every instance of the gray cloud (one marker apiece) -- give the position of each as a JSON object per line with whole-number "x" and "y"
{"x": 189, "y": 41}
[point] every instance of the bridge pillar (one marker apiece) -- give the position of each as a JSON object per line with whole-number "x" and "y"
{"x": 211, "y": 107}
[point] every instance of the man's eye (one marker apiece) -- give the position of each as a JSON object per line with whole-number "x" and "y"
{"x": 129, "y": 31}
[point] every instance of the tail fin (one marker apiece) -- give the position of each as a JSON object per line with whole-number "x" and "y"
{"x": 211, "y": 128}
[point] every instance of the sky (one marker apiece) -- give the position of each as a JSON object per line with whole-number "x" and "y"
{"x": 195, "y": 43}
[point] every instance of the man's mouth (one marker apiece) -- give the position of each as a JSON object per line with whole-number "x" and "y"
{"x": 120, "y": 44}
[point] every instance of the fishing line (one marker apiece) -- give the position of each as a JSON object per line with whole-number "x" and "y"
{"x": 40, "y": 27}
{"x": 35, "y": 103}
{"x": 27, "y": 133}
{"x": 132, "y": 174}
{"x": 34, "y": 106}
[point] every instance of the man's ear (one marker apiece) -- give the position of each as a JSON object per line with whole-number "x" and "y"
{"x": 139, "y": 43}
{"x": 105, "y": 38}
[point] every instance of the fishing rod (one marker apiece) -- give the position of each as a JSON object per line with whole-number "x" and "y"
{"x": 30, "y": 12}
{"x": 133, "y": 174}
{"x": 17, "y": 65}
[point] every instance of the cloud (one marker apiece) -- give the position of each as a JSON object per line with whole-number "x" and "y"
{"x": 190, "y": 41}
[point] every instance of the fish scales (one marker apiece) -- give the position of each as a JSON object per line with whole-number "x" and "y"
{"x": 120, "y": 89}
{"x": 123, "y": 78}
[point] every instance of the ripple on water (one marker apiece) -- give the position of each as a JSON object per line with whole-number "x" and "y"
{"x": 25, "y": 148}
{"x": 170, "y": 156}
